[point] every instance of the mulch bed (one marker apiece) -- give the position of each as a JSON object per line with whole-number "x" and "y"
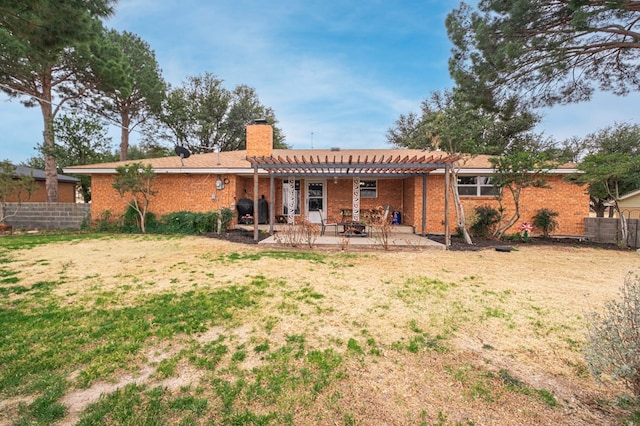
{"x": 458, "y": 244}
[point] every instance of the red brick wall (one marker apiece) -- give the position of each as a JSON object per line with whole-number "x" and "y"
{"x": 182, "y": 192}
{"x": 259, "y": 140}
{"x": 175, "y": 192}
{"x": 340, "y": 196}
{"x": 569, "y": 200}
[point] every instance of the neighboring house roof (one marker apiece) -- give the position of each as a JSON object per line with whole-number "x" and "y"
{"x": 235, "y": 162}
{"x": 629, "y": 195}
{"x": 40, "y": 175}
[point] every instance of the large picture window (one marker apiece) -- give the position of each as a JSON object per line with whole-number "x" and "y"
{"x": 476, "y": 186}
{"x": 285, "y": 197}
{"x": 368, "y": 189}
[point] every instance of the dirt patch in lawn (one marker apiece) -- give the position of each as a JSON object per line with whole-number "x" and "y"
{"x": 480, "y": 318}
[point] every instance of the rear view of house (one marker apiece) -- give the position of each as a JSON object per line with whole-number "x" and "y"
{"x": 339, "y": 184}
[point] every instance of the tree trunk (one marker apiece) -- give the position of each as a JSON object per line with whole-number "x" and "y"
{"x": 502, "y": 229}
{"x": 50, "y": 164}
{"x": 624, "y": 229}
{"x": 598, "y": 206}
{"x": 125, "y": 122}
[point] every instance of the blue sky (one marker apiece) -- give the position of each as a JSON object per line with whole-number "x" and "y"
{"x": 336, "y": 73}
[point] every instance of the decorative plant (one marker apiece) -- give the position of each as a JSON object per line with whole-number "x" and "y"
{"x": 544, "y": 219}
{"x": 380, "y": 221}
{"x": 310, "y": 232}
{"x": 136, "y": 181}
{"x": 525, "y": 229}
{"x": 296, "y": 233}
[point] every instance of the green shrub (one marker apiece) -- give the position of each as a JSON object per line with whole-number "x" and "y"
{"x": 173, "y": 223}
{"x": 613, "y": 345}
{"x": 106, "y": 223}
{"x": 131, "y": 221}
{"x": 195, "y": 223}
{"x": 544, "y": 220}
{"x": 486, "y": 218}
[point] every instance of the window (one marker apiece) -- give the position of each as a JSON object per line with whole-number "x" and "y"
{"x": 476, "y": 186}
{"x": 368, "y": 189}
{"x": 285, "y": 197}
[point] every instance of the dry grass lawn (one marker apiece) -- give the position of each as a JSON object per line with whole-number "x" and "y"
{"x": 480, "y": 319}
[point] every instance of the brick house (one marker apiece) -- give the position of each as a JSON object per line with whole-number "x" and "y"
{"x": 335, "y": 182}
{"x": 66, "y": 187}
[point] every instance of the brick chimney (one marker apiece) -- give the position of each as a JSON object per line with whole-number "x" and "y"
{"x": 259, "y": 138}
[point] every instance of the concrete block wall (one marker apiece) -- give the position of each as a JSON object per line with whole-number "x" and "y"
{"x": 607, "y": 230}
{"x": 48, "y": 215}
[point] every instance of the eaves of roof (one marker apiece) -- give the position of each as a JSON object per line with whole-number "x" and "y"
{"x": 629, "y": 195}
{"x": 40, "y": 174}
{"x": 237, "y": 162}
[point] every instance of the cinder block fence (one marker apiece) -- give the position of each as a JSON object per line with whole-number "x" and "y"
{"x": 607, "y": 230}
{"x": 48, "y": 215}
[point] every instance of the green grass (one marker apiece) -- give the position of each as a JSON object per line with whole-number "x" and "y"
{"x": 27, "y": 241}
{"x": 514, "y": 384}
{"x": 43, "y": 340}
{"x": 415, "y": 288}
{"x": 308, "y": 256}
{"x": 231, "y": 336}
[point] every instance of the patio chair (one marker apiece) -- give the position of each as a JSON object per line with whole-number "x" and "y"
{"x": 324, "y": 225}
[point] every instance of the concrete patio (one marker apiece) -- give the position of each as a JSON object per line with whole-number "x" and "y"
{"x": 399, "y": 237}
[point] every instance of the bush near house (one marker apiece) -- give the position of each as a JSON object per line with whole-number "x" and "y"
{"x": 613, "y": 346}
{"x": 185, "y": 223}
{"x": 545, "y": 219}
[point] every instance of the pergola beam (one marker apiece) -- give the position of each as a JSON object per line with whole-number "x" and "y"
{"x": 342, "y": 166}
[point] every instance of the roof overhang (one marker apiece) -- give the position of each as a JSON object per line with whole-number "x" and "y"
{"x": 488, "y": 172}
{"x": 164, "y": 170}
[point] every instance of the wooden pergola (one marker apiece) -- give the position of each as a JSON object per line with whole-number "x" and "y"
{"x": 352, "y": 166}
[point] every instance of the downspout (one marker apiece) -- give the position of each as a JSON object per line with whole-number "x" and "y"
{"x": 255, "y": 202}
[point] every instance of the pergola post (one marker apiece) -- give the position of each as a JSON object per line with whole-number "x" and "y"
{"x": 272, "y": 201}
{"x": 255, "y": 202}
{"x": 291, "y": 202}
{"x": 447, "y": 182}
{"x": 355, "y": 204}
{"x": 424, "y": 204}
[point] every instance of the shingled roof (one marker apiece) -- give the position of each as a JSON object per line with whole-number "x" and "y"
{"x": 285, "y": 161}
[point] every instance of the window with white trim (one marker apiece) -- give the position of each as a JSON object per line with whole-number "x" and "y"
{"x": 476, "y": 186}
{"x": 368, "y": 189}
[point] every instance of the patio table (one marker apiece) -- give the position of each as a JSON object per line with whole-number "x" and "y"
{"x": 353, "y": 229}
